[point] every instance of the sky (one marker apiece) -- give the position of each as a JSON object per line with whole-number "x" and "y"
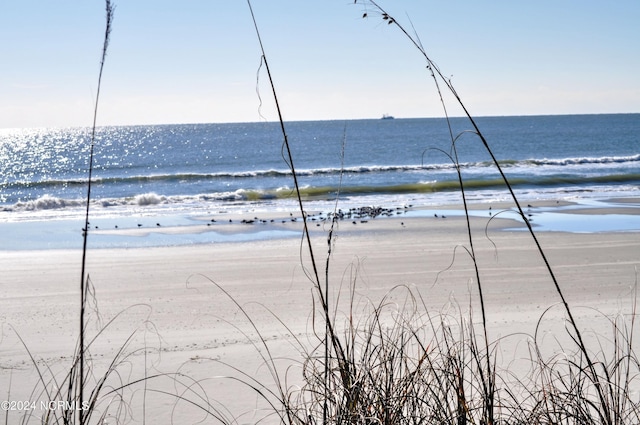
{"x": 198, "y": 61}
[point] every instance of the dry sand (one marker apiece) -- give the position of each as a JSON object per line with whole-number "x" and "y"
{"x": 186, "y": 324}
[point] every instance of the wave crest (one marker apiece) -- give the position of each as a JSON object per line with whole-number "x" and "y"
{"x": 47, "y": 202}
{"x": 150, "y": 198}
{"x": 586, "y": 160}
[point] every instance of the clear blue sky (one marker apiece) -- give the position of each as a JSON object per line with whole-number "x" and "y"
{"x": 196, "y": 60}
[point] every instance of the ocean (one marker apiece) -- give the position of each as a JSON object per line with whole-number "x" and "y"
{"x": 177, "y": 172}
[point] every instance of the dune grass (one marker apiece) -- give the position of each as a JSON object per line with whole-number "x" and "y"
{"x": 109, "y": 383}
{"x": 405, "y": 365}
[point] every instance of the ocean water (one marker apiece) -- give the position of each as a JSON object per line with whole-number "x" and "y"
{"x": 185, "y": 170}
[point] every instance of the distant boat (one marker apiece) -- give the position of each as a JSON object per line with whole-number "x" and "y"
{"x": 387, "y": 117}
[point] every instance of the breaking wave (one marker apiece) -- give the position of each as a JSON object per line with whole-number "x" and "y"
{"x": 181, "y": 178}
{"x": 150, "y": 199}
{"x": 47, "y": 202}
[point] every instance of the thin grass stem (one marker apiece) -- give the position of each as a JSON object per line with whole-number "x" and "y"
{"x": 109, "y": 8}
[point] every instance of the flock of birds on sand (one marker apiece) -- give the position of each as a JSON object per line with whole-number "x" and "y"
{"x": 356, "y": 215}
{"x": 360, "y": 214}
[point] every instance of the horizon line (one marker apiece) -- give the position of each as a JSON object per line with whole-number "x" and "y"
{"x": 2, "y": 129}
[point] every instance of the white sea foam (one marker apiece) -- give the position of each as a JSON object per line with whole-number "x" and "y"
{"x": 150, "y": 198}
{"x": 586, "y": 160}
{"x": 47, "y": 202}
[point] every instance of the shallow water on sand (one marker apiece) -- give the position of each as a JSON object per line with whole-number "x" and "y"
{"x": 179, "y": 230}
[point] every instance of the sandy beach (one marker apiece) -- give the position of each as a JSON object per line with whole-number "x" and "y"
{"x": 183, "y": 322}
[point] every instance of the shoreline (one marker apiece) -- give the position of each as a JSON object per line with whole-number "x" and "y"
{"x": 145, "y": 231}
